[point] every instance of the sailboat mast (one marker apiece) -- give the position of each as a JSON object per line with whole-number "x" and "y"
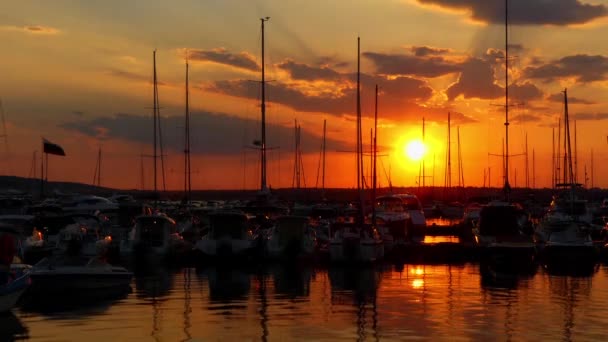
{"x": 569, "y": 147}
{"x": 374, "y": 154}
{"x": 449, "y": 171}
{"x": 263, "y": 109}
{"x": 423, "y": 144}
{"x": 324, "y": 148}
{"x": 154, "y": 154}
{"x": 553, "y": 157}
{"x": 527, "y": 163}
{"x": 575, "y": 156}
{"x": 592, "y": 185}
{"x": 187, "y": 169}
{"x": 507, "y": 188}
{"x": 533, "y": 170}
{"x": 359, "y": 136}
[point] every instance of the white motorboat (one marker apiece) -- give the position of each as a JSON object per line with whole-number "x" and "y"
{"x": 228, "y": 236}
{"x": 352, "y": 242}
{"x": 291, "y": 236}
{"x": 154, "y": 236}
{"x": 501, "y": 236}
{"x": 58, "y": 279}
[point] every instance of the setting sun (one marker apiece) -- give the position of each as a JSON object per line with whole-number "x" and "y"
{"x": 415, "y": 150}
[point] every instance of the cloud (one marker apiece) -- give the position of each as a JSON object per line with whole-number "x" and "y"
{"x": 131, "y": 76}
{"x": 528, "y": 12}
{"x": 522, "y": 118}
{"x": 589, "y": 116}
{"x": 243, "y": 60}
{"x": 216, "y": 133}
{"x": 32, "y": 29}
{"x": 397, "y": 96}
{"x": 306, "y": 72}
{"x": 476, "y": 81}
{"x": 583, "y": 68}
{"x": 524, "y": 92}
{"x": 78, "y": 113}
{"x": 391, "y": 64}
{"x": 559, "y": 97}
{"x": 423, "y": 51}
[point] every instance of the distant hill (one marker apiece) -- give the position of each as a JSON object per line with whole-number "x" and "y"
{"x": 12, "y": 185}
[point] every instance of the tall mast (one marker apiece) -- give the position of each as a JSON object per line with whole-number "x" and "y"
{"x": 359, "y": 136}
{"x": 448, "y": 174}
{"x": 507, "y": 187}
{"x": 592, "y": 185}
{"x": 263, "y": 186}
{"x": 569, "y": 147}
{"x": 557, "y": 151}
{"x": 187, "y": 168}
{"x": 374, "y": 154}
{"x": 533, "y": 169}
{"x": 575, "y": 156}
{"x": 553, "y": 157}
{"x": 460, "y": 168}
{"x": 527, "y": 163}
{"x": 155, "y": 155}
{"x": 423, "y": 144}
{"x": 324, "y": 148}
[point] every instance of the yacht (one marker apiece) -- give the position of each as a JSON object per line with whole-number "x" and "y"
{"x": 153, "y": 236}
{"x": 291, "y": 237}
{"x": 228, "y": 236}
{"x": 354, "y": 242}
{"x": 502, "y": 235}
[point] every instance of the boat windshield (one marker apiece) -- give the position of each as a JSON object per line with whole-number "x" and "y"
{"x": 499, "y": 220}
{"x": 389, "y": 204}
{"x": 570, "y": 208}
{"x": 231, "y": 226}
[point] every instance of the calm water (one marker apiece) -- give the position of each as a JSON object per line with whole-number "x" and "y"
{"x": 438, "y": 302}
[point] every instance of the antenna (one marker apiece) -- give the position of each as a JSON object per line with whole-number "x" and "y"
{"x": 4, "y": 135}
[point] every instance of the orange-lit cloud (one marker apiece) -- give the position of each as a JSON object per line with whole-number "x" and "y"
{"x": 32, "y": 29}
{"x": 583, "y": 68}
{"x": 529, "y": 12}
{"x": 243, "y": 60}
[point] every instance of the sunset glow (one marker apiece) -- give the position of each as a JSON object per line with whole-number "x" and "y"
{"x": 91, "y": 81}
{"x": 415, "y": 150}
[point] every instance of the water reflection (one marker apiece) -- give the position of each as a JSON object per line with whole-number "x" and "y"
{"x": 358, "y": 287}
{"x": 292, "y": 281}
{"x": 11, "y": 328}
{"x": 289, "y": 302}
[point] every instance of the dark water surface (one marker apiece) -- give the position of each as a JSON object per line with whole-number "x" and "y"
{"x": 280, "y": 303}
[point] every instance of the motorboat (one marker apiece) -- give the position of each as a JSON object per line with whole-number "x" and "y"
{"x": 355, "y": 242}
{"x": 228, "y": 236}
{"x": 564, "y": 234}
{"x": 392, "y": 221}
{"x": 18, "y": 274}
{"x": 71, "y": 278}
{"x": 291, "y": 237}
{"x": 503, "y": 238}
{"x": 154, "y": 236}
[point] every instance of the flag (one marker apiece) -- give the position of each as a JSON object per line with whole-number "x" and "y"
{"x": 50, "y": 148}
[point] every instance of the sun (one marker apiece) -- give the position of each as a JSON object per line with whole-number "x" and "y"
{"x": 415, "y": 150}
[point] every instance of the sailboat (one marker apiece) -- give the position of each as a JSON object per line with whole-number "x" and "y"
{"x": 564, "y": 234}
{"x": 502, "y": 230}
{"x": 356, "y": 241}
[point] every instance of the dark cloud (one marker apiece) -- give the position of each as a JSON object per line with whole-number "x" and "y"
{"x": 528, "y": 12}
{"x": 476, "y": 81}
{"x": 584, "y": 68}
{"x": 241, "y": 60}
{"x": 559, "y": 97}
{"x": 131, "y": 76}
{"x": 213, "y": 133}
{"x": 589, "y": 116}
{"x": 523, "y": 118}
{"x": 299, "y": 71}
{"x": 517, "y": 48}
{"x": 524, "y": 92}
{"x": 423, "y": 51}
{"x": 397, "y": 96}
{"x": 390, "y": 64}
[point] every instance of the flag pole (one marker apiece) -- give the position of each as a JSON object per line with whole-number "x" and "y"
{"x": 42, "y": 172}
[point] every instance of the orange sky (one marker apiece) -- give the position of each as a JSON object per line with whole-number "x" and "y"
{"x": 79, "y": 75}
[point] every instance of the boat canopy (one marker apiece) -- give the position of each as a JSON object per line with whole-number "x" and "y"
{"x": 499, "y": 220}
